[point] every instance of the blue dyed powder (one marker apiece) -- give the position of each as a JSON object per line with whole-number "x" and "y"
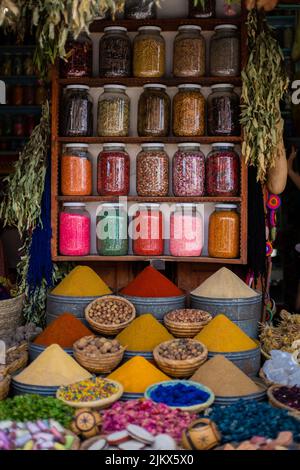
{"x": 179, "y": 395}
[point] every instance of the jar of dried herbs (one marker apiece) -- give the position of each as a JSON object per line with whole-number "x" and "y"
{"x": 113, "y": 112}
{"x": 222, "y": 171}
{"x": 140, "y": 9}
{"x": 224, "y": 232}
{"x": 112, "y": 230}
{"x": 203, "y": 9}
{"x": 189, "y": 111}
{"x": 80, "y": 57}
{"x": 76, "y": 112}
{"x": 115, "y": 53}
{"x": 149, "y": 51}
{"x": 189, "y": 52}
{"x": 154, "y": 111}
{"x": 225, "y": 51}
{"x": 188, "y": 170}
{"x": 113, "y": 170}
{"x": 223, "y": 111}
{"x": 152, "y": 171}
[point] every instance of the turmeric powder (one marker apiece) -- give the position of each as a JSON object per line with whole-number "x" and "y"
{"x": 82, "y": 281}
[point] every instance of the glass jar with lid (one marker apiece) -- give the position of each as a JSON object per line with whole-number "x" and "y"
{"x": 112, "y": 230}
{"x": 140, "y": 9}
{"x": 222, "y": 171}
{"x": 189, "y": 52}
{"x": 113, "y": 112}
{"x": 80, "y": 57}
{"x": 17, "y": 67}
{"x": 76, "y": 170}
{"x": 152, "y": 171}
{"x": 6, "y": 64}
{"x": 205, "y": 9}
{"x": 223, "y": 111}
{"x": 224, "y": 232}
{"x": 186, "y": 231}
{"x": 154, "y": 111}
{"x": 74, "y": 230}
{"x": 115, "y": 53}
{"x": 76, "y": 112}
{"x": 189, "y": 111}
{"x": 224, "y": 9}
{"x": 225, "y": 51}
{"x": 147, "y": 231}
{"x": 188, "y": 170}
{"x": 149, "y": 53}
{"x": 17, "y": 95}
{"x": 113, "y": 171}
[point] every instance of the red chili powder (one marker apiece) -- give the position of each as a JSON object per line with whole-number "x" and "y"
{"x": 151, "y": 283}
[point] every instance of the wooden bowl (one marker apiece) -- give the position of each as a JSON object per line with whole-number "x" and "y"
{"x": 97, "y": 404}
{"x": 185, "y": 330}
{"x": 102, "y": 364}
{"x": 178, "y": 368}
{"x": 278, "y": 404}
{"x": 109, "y": 330}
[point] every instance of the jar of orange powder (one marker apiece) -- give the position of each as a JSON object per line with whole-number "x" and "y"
{"x": 76, "y": 171}
{"x": 224, "y": 232}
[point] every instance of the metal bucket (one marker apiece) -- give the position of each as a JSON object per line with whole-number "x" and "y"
{"x": 157, "y": 306}
{"x": 23, "y": 389}
{"x": 35, "y": 350}
{"x": 245, "y": 313}
{"x": 247, "y": 361}
{"x": 58, "y": 304}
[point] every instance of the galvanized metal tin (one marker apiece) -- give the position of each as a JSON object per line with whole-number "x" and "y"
{"x": 58, "y": 304}
{"x": 23, "y": 389}
{"x": 247, "y": 361}
{"x": 35, "y": 350}
{"x": 246, "y": 313}
{"x": 158, "y": 306}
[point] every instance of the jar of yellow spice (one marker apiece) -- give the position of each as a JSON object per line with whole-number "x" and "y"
{"x": 149, "y": 52}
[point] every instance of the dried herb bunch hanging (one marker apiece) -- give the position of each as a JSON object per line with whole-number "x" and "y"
{"x": 264, "y": 84}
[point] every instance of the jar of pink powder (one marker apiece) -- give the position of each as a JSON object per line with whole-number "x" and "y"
{"x": 186, "y": 231}
{"x": 74, "y": 230}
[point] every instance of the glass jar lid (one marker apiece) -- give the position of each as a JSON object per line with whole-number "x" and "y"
{"x": 111, "y": 145}
{"x": 189, "y": 85}
{"x": 77, "y": 145}
{"x": 190, "y": 27}
{"x": 188, "y": 144}
{"x": 222, "y": 85}
{"x": 225, "y": 206}
{"x": 155, "y": 85}
{"x": 150, "y": 145}
{"x": 114, "y": 87}
{"x": 149, "y": 28}
{"x": 226, "y": 26}
{"x": 74, "y": 204}
{"x": 115, "y": 28}
{"x": 77, "y": 87}
{"x": 222, "y": 144}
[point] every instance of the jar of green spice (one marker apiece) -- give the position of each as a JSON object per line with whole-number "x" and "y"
{"x": 112, "y": 230}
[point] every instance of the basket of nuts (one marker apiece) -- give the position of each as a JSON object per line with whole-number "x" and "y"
{"x": 98, "y": 355}
{"x": 186, "y": 323}
{"x": 110, "y": 314}
{"x": 180, "y": 358}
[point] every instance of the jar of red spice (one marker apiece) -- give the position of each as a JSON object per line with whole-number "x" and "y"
{"x": 74, "y": 230}
{"x": 76, "y": 171}
{"x": 186, "y": 231}
{"x": 113, "y": 171}
{"x": 147, "y": 231}
{"x": 17, "y": 95}
{"x": 224, "y": 232}
{"x": 222, "y": 171}
{"x": 80, "y": 57}
{"x": 188, "y": 170}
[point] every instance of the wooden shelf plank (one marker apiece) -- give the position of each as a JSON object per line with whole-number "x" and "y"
{"x": 166, "y": 24}
{"x": 129, "y": 258}
{"x": 96, "y": 82}
{"x": 168, "y": 199}
{"x": 140, "y": 140}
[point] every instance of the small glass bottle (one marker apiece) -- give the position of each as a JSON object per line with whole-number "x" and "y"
{"x": 207, "y": 10}
{"x": 115, "y": 53}
{"x": 149, "y": 53}
{"x": 223, "y": 111}
{"x": 188, "y": 170}
{"x": 80, "y": 57}
{"x": 76, "y": 170}
{"x": 186, "y": 231}
{"x": 29, "y": 95}
{"x": 189, "y": 111}
{"x": 17, "y": 95}
{"x": 113, "y": 112}
{"x": 147, "y": 231}
{"x": 74, "y": 230}
{"x": 17, "y": 67}
{"x": 225, "y": 51}
{"x": 189, "y": 52}
{"x": 6, "y": 67}
{"x": 19, "y": 128}
{"x": 154, "y": 111}
{"x": 140, "y": 9}
{"x": 113, "y": 171}
{"x": 224, "y": 232}
{"x": 76, "y": 112}
{"x": 28, "y": 66}
{"x": 112, "y": 230}
{"x": 152, "y": 171}
{"x": 222, "y": 171}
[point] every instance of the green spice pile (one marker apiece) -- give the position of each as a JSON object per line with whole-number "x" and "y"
{"x": 34, "y": 407}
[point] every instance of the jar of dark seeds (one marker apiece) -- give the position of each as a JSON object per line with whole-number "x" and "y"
{"x": 189, "y": 111}
{"x": 154, "y": 111}
{"x": 115, "y": 53}
{"x": 152, "y": 170}
{"x": 222, "y": 171}
{"x": 189, "y": 52}
{"x": 76, "y": 113}
{"x": 140, "y": 9}
{"x": 80, "y": 57}
{"x": 149, "y": 52}
{"x": 188, "y": 170}
{"x": 223, "y": 111}
{"x": 205, "y": 10}
{"x": 113, "y": 112}
{"x": 225, "y": 51}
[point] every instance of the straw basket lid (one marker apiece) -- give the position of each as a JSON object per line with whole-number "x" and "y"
{"x": 277, "y": 403}
{"x": 98, "y": 404}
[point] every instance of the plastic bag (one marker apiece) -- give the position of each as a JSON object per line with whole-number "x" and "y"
{"x": 282, "y": 368}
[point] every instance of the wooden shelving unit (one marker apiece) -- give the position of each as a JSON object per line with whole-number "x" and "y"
{"x": 95, "y": 82}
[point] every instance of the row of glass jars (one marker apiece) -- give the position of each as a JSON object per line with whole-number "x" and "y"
{"x": 189, "y": 113}
{"x": 146, "y": 231}
{"x": 147, "y": 57}
{"x": 192, "y": 174}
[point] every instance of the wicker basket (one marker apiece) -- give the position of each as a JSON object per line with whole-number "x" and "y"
{"x": 263, "y": 376}
{"x": 277, "y": 403}
{"x": 18, "y": 363}
{"x": 10, "y": 315}
{"x": 185, "y": 330}
{"x": 109, "y": 330}
{"x": 179, "y": 369}
{"x": 103, "y": 364}
{"x": 4, "y": 387}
